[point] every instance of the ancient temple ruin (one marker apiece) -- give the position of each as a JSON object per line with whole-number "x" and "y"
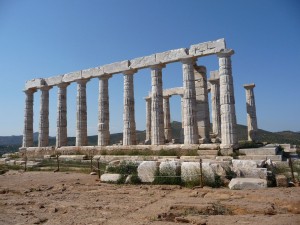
{"x": 194, "y": 93}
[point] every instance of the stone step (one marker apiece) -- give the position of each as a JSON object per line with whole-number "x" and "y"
{"x": 261, "y": 157}
{"x": 259, "y": 151}
{"x": 207, "y": 152}
{"x": 209, "y": 146}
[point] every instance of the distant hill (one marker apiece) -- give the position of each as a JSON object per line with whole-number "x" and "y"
{"x": 12, "y": 143}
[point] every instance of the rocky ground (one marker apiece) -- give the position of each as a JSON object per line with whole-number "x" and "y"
{"x": 74, "y": 198}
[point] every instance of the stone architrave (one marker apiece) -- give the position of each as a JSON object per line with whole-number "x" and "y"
{"x": 43, "y": 140}
{"x": 215, "y": 106}
{"x": 167, "y": 118}
{"x": 28, "y": 119}
{"x": 227, "y": 103}
{"x": 61, "y": 134}
{"x": 157, "y": 121}
{"x": 103, "y": 110}
{"x": 81, "y": 122}
{"x": 148, "y": 120}
{"x": 251, "y": 112}
{"x": 129, "y": 132}
{"x": 189, "y": 98}
{"x": 202, "y": 108}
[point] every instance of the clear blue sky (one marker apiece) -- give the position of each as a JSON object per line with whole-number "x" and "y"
{"x": 43, "y": 38}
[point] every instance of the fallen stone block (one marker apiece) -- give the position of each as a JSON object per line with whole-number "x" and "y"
{"x": 147, "y": 170}
{"x": 190, "y": 171}
{"x": 247, "y": 183}
{"x": 109, "y": 177}
{"x": 241, "y": 164}
{"x": 170, "y": 168}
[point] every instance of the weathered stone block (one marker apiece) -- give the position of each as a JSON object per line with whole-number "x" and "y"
{"x": 93, "y": 72}
{"x": 109, "y": 177}
{"x": 259, "y": 151}
{"x": 281, "y": 181}
{"x": 207, "y": 48}
{"x": 116, "y": 67}
{"x": 146, "y": 171}
{"x": 34, "y": 83}
{"x": 143, "y": 62}
{"x": 247, "y": 183}
{"x": 190, "y": 171}
{"x": 51, "y": 81}
{"x": 171, "y": 56}
{"x": 170, "y": 168}
{"x": 72, "y": 157}
{"x": 252, "y": 173}
{"x": 71, "y": 77}
{"x": 242, "y": 164}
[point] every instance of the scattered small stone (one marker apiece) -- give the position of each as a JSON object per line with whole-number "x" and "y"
{"x": 181, "y": 220}
{"x": 93, "y": 173}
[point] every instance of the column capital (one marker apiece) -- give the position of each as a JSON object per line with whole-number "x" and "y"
{"x": 249, "y": 86}
{"x": 200, "y": 68}
{"x": 82, "y": 81}
{"x": 167, "y": 96}
{"x": 225, "y": 53}
{"x": 105, "y": 76}
{"x": 63, "y": 85}
{"x": 157, "y": 66}
{"x": 45, "y": 88}
{"x": 130, "y": 72}
{"x": 214, "y": 81}
{"x": 188, "y": 60}
{"x": 30, "y": 91}
{"x": 147, "y": 98}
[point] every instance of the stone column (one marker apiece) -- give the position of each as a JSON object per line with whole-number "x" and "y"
{"x": 148, "y": 120}
{"x": 189, "y": 98}
{"x": 167, "y": 118}
{"x": 157, "y": 122}
{"x": 81, "y": 122}
{"x": 61, "y": 134}
{"x": 44, "y": 117}
{"x": 215, "y": 107}
{"x": 202, "y": 108}
{"x": 227, "y": 103}
{"x": 251, "y": 112}
{"x": 28, "y": 119}
{"x": 129, "y": 132}
{"x": 103, "y": 110}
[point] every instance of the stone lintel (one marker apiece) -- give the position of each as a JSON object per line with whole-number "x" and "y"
{"x": 169, "y": 92}
{"x": 181, "y": 54}
{"x": 116, "y": 67}
{"x": 249, "y": 86}
{"x": 225, "y": 53}
{"x": 207, "y": 48}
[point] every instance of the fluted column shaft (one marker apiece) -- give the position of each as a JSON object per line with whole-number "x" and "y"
{"x": 28, "y": 119}
{"x": 167, "y": 118}
{"x": 103, "y": 110}
{"x": 227, "y": 101}
{"x": 189, "y": 97}
{"x": 81, "y": 122}
{"x": 129, "y": 129}
{"x": 157, "y": 122}
{"x": 148, "y": 120}
{"x": 61, "y": 133}
{"x": 251, "y": 112}
{"x": 43, "y": 140}
{"x": 215, "y": 106}
{"x": 202, "y": 116}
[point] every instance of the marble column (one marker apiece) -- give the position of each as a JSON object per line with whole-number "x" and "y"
{"x": 129, "y": 132}
{"x": 103, "y": 110}
{"x": 61, "y": 134}
{"x": 43, "y": 140}
{"x": 148, "y": 120}
{"x": 81, "y": 122}
{"x": 157, "y": 121}
{"x": 167, "y": 119}
{"x": 28, "y": 119}
{"x": 215, "y": 107}
{"x": 227, "y": 102}
{"x": 251, "y": 112}
{"x": 202, "y": 108}
{"x": 189, "y": 98}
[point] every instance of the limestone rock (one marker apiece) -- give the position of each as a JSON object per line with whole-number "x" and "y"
{"x": 169, "y": 168}
{"x": 190, "y": 171}
{"x": 146, "y": 171}
{"x": 109, "y": 177}
{"x": 247, "y": 183}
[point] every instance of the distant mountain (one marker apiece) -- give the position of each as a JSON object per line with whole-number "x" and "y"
{"x": 264, "y": 136}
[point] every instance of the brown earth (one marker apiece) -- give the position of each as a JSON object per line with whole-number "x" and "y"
{"x": 74, "y": 198}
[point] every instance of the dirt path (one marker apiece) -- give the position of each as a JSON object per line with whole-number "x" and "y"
{"x": 74, "y": 198}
